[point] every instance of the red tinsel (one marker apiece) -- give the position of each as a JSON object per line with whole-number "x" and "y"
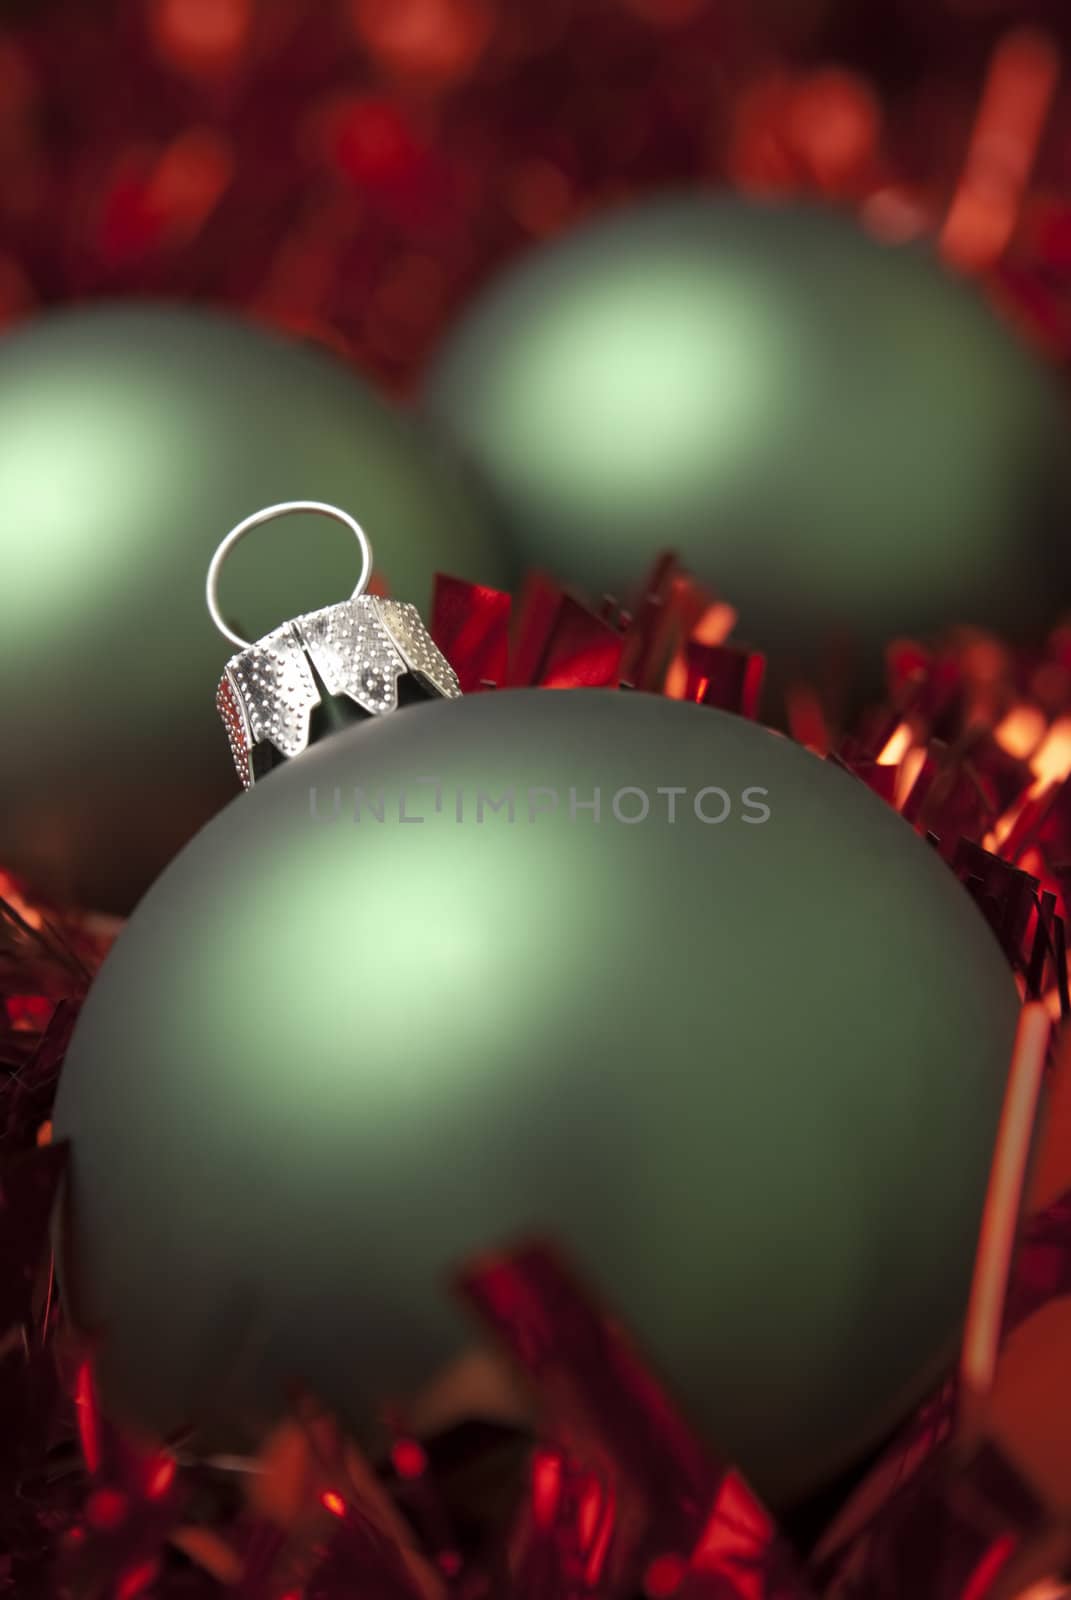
{"x": 618, "y": 1498}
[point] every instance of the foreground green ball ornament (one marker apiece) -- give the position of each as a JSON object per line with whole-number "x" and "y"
{"x": 131, "y": 439}
{"x": 745, "y": 1066}
{"x": 838, "y": 436}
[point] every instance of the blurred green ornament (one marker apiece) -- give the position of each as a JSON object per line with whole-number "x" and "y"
{"x": 131, "y": 439}
{"x": 745, "y": 1067}
{"x": 838, "y": 436}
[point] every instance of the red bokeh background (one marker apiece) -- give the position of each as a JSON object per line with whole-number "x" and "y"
{"x": 353, "y": 169}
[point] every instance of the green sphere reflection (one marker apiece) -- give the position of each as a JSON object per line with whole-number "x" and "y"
{"x": 837, "y": 436}
{"x": 747, "y": 1072}
{"x": 131, "y": 439}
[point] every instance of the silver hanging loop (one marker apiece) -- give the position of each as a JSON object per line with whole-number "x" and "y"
{"x": 359, "y": 649}
{"x": 257, "y": 520}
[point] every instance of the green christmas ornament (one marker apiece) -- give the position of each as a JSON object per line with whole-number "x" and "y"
{"x": 622, "y": 971}
{"x": 131, "y": 439}
{"x": 838, "y": 436}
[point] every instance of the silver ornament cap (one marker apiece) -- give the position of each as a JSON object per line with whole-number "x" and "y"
{"x": 360, "y": 649}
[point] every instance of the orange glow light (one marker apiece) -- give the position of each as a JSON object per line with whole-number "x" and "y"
{"x": 201, "y": 35}
{"x": 715, "y": 625}
{"x": 835, "y": 121}
{"x": 1051, "y": 764}
{"x": 333, "y": 1502}
{"x": 676, "y": 679}
{"x": 27, "y": 912}
{"x": 1018, "y": 94}
{"x": 439, "y": 40}
{"x": 1021, "y": 731}
{"x": 1052, "y": 761}
{"x": 899, "y": 743}
{"x": 908, "y": 776}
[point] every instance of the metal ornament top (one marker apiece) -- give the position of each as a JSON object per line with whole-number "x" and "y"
{"x": 360, "y": 649}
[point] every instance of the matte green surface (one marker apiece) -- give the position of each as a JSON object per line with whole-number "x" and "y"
{"x": 131, "y": 440}
{"x": 748, "y": 1074}
{"x": 838, "y": 436}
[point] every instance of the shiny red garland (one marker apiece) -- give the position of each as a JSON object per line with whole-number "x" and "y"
{"x": 613, "y": 1497}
